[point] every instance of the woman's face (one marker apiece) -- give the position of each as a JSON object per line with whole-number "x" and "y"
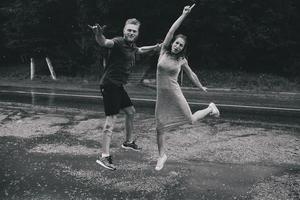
{"x": 178, "y": 45}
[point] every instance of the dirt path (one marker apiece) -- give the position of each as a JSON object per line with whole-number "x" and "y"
{"x": 50, "y": 154}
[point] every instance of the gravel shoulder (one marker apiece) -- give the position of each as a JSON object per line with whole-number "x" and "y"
{"x": 50, "y": 154}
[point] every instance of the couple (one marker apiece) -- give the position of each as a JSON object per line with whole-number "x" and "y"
{"x": 171, "y": 110}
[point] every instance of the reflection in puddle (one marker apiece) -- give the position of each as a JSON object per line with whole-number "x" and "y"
{"x": 33, "y": 99}
{"x": 49, "y": 98}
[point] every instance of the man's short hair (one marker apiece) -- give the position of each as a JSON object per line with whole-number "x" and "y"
{"x": 133, "y": 21}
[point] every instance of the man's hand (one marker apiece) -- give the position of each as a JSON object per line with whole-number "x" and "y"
{"x": 187, "y": 9}
{"x": 97, "y": 29}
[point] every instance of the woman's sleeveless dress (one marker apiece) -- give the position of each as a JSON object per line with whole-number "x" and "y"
{"x": 172, "y": 109}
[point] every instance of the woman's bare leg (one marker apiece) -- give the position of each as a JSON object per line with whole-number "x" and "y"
{"x": 161, "y": 150}
{"x": 200, "y": 114}
{"x": 160, "y": 143}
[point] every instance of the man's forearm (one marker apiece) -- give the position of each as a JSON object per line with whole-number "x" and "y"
{"x": 100, "y": 39}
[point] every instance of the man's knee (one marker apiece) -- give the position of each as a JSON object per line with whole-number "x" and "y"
{"x": 107, "y": 132}
{"x": 109, "y": 125}
{"x": 130, "y": 111}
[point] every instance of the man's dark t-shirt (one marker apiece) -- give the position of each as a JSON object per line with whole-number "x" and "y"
{"x": 121, "y": 60}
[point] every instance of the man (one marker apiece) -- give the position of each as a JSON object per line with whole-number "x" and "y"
{"x": 122, "y": 55}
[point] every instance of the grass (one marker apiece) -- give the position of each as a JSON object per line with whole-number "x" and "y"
{"x": 214, "y": 79}
{"x": 246, "y": 81}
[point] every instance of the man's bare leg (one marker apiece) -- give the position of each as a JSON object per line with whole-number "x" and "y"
{"x": 105, "y": 160}
{"x": 129, "y": 117}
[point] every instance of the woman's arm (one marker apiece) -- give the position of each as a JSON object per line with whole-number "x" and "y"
{"x": 192, "y": 76}
{"x": 146, "y": 49}
{"x": 176, "y": 24}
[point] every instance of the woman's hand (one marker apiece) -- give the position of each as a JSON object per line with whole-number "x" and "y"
{"x": 158, "y": 46}
{"x": 204, "y": 89}
{"x": 187, "y": 9}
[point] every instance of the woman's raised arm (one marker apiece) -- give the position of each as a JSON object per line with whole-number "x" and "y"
{"x": 176, "y": 24}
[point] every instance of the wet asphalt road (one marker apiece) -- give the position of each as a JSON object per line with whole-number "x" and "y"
{"x": 267, "y": 108}
{"x": 25, "y": 175}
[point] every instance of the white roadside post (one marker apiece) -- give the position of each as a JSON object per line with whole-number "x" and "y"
{"x": 32, "y": 68}
{"x": 51, "y": 68}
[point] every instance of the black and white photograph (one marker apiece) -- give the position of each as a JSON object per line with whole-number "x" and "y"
{"x": 150, "y": 100}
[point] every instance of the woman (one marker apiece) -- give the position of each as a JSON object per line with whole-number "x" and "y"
{"x": 172, "y": 109}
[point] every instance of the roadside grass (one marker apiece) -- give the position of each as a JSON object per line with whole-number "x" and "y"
{"x": 212, "y": 79}
{"x": 245, "y": 81}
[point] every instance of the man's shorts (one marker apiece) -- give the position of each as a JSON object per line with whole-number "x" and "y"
{"x": 115, "y": 98}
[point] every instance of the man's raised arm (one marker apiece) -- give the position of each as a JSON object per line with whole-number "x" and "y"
{"x": 100, "y": 38}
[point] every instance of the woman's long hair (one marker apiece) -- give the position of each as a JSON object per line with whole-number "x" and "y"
{"x": 181, "y": 54}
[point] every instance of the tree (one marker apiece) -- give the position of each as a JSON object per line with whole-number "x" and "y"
{"x": 259, "y": 36}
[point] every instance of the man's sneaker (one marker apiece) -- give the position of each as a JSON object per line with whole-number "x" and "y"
{"x": 160, "y": 162}
{"x": 131, "y": 145}
{"x": 106, "y": 162}
{"x": 215, "y": 111}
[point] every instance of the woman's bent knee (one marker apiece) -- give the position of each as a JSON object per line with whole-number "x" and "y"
{"x": 193, "y": 120}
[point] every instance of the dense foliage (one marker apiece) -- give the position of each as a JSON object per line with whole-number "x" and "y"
{"x": 245, "y": 35}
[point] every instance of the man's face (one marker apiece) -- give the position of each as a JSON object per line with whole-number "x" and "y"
{"x": 131, "y": 32}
